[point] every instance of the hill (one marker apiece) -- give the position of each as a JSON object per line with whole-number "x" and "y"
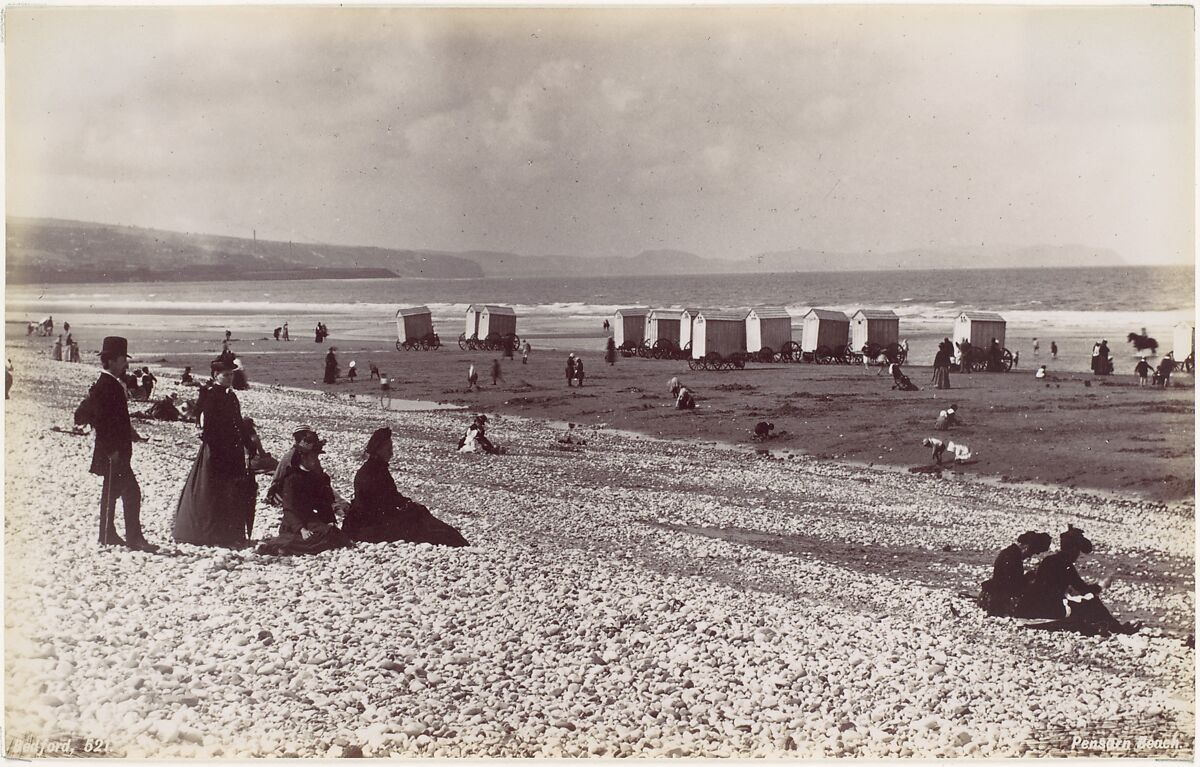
{"x": 54, "y": 250}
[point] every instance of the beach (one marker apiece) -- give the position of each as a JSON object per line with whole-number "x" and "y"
{"x": 1070, "y": 430}
{"x": 671, "y": 592}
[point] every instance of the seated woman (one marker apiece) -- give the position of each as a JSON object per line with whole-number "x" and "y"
{"x": 379, "y": 513}
{"x": 1047, "y": 595}
{"x": 685, "y": 400}
{"x": 475, "y": 439}
{"x": 309, "y": 525}
{"x": 1000, "y": 594}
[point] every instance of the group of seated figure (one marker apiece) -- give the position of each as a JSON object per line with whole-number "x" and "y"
{"x": 1052, "y": 590}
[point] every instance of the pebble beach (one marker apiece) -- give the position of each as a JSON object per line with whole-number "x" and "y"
{"x": 636, "y": 596}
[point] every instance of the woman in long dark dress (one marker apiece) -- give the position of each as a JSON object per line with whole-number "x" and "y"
{"x": 1001, "y": 593}
{"x": 309, "y": 525}
{"x": 380, "y": 513}
{"x": 1049, "y": 593}
{"x": 941, "y": 364}
{"x": 216, "y": 507}
{"x": 331, "y": 366}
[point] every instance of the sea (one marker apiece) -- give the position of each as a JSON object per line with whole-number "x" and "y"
{"x": 1075, "y": 303}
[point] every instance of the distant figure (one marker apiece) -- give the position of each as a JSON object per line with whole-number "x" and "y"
{"x": 187, "y": 379}
{"x": 901, "y": 381}
{"x": 1036, "y": 347}
{"x": 995, "y": 355}
{"x": 571, "y": 369}
{"x": 226, "y": 354}
{"x": 1143, "y": 372}
{"x": 1053, "y": 350}
{"x": 318, "y": 336}
{"x": 579, "y": 371}
{"x": 67, "y": 342}
{"x": 610, "y": 351}
{"x": 685, "y": 400}
{"x": 509, "y": 343}
{"x": 472, "y": 378}
{"x": 56, "y": 353}
{"x": 331, "y": 366}
{"x": 497, "y": 375}
{"x": 240, "y": 381}
{"x": 228, "y": 336}
{"x": 1166, "y": 366}
{"x": 352, "y": 372}
{"x": 74, "y": 351}
{"x": 148, "y": 382}
{"x": 286, "y": 337}
{"x": 947, "y": 418}
{"x": 1017, "y": 359}
{"x": 525, "y": 349}
{"x": 960, "y": 452}
{"x": 8, "y": 378}
{"x": 606, "y": 326}
{"x": 475, "y": 440}
{"x": 29, "y": 328}
{"x": 674, "y": 386}
{"x": 277, "y": 332}
{"x": 1105, "y": 359}
{"x": 941, "y": 364}
{"x": 1096, "y": 359}
{"x": 375, "y": 375}
{"x": 964, "y": 356}
{"x": 763, "y": 429}
{"x": 1041, "y": 372}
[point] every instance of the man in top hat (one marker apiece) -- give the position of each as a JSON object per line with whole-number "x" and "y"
{"x": 114, "y": 448}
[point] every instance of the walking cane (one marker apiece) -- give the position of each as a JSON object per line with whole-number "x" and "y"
{"x": 108, "y": 504}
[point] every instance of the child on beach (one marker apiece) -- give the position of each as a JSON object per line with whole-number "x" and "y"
{"x": 374, "y": 370}
{"x": 1041, "y": 372}
{"x": 960, "y": 452}
{"x": 685, "y": 400}
{"x": 675, "y": 386}
{"x": 352, "y": 373}
{"x": 579, "y": 371}
{"x": 525, "y": 347}
{"x": 947, "y": 418}
{"x": 1143, "y": 372}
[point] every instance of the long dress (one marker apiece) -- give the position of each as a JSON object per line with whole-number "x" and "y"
{"x": 331, "y": 368}
{"x": 380, "y": 513}
{"x": 941, "y": 366}
{"x": 1003, "y": 590}
{"x": 216, "y": 507}
{"x": 1047, "y": 597}
{"x": 307, "y": 498}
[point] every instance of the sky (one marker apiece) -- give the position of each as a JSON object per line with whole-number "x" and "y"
{"x": 726, "y": 132}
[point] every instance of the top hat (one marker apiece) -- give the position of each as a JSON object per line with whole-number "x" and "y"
{"x": 114, "y": 346}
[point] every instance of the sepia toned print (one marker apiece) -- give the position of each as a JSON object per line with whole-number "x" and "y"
{"x": 790, "y": 382}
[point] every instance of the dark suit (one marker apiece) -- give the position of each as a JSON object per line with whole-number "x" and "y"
{"x": 114, "y": 434}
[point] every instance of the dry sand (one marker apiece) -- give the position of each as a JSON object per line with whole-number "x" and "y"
{"x": 639, "y": 596}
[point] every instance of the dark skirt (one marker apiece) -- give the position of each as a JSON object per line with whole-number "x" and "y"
{"x": 216, "y": 508}
{"x": 941, "y": 377}
{"x": 290, "y": 543}
{"x": 413, "y": 525}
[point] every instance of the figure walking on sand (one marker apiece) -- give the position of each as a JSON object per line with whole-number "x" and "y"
{"x": 570, "y": 369}
{"x": 216, "y": 507}
{"x": 525, "y": 348}
{"x": 610, "y": 351}
{"x": 497, "y": 375}
{"x": 472, "y": 377}
{"x": 107, "y": 410}
{"x": 331, "y": 366}
{"x": 286, "y": 337}
{"x": 579, "y": 371}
